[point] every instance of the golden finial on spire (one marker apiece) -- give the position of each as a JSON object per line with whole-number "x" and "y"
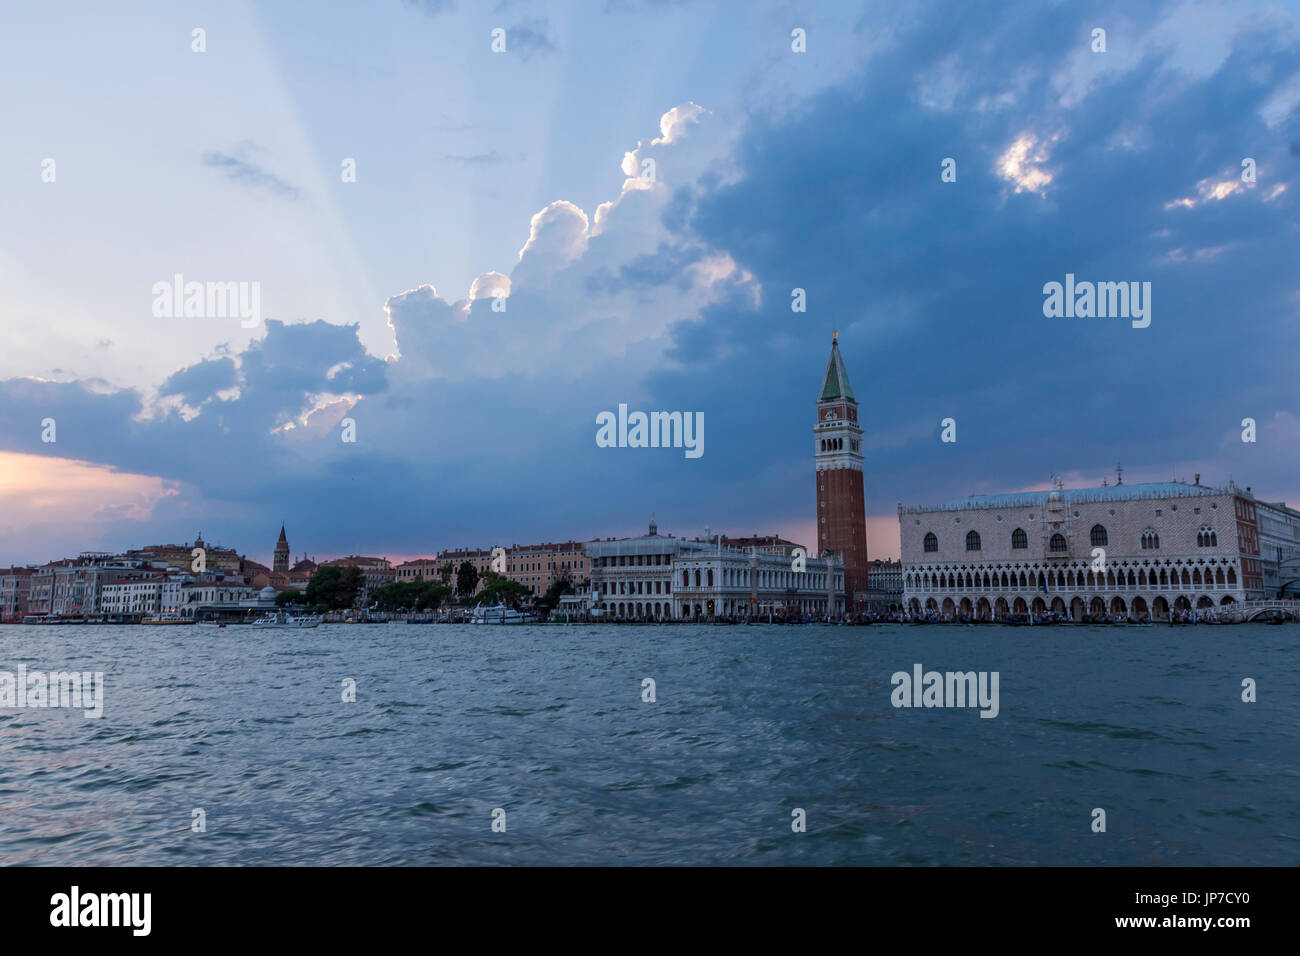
{"x": 835, "y": 336}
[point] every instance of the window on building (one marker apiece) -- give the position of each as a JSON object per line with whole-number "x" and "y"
{"x": 1057, "y": 544}
{"x": 1099, "y": 537}
{"x": 1019, "y": 539}
{"x": 1206, "y": 537}
{"x": 1150, "y": 540}
{"x": 931, "y": 543}
{"x": 972, "y": 541}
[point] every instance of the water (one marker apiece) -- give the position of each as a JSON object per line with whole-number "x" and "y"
{"x": 750, "y": 723}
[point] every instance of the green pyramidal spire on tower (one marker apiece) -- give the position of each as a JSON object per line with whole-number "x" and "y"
{"x": 836, "y": 384}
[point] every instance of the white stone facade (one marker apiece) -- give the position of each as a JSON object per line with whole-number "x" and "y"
{"x": 1279, "y": 546}
{"x": 660, "y": 577}
{"x": 734, "y": 583}
{"x": 1166, "y": 546}
{"x": 633, "y": 577}
{"x": 171, "y": 596}
{"x": 131, "y": 596}
{"x": 202, "y": 595}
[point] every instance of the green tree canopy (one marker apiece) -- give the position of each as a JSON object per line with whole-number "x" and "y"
{"x": 563, "y": 585}
{"x": 351, "y": 581}
{"x": 499, "y": 589}
{"x": 323, "y": 585}
{"x": 335, "y": 587}
{"x": 410, "y": 595}
{"x": 433, "y": 596}
{"x": 466, "y": 579}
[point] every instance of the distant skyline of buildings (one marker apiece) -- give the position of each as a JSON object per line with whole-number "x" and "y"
{"x": 1233, "y": 553}
{"x": 982, "y": 557}
{"x": 674, "y": 577}
{"x": 165, "y": 581}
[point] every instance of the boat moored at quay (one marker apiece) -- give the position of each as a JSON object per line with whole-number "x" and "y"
{"x": 500, "y": 614}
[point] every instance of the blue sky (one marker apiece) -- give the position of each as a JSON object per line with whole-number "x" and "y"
{"x": 774, "y": 170}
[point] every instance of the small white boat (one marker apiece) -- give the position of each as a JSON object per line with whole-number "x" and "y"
{"x": 285, "y": 620}
{"x": 500, "y": 614}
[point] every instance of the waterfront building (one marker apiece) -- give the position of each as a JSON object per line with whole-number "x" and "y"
{"x": 746, "y": 583}
{"x": 538, "y": 566}
{"x": 662, "y": 577}
{"x": 136, "y": 596}
{"x": 479, "y": 558}
{"x": 42, "y": 587}
{"x": 199, "y": 597}
{"x": 526, "y": 564}
{"x": 73, "y": 587}
{"x": 171, "y": 596}
{"x": 884, "y": 593}
{"x": 179, "y": 594}
{"x": 633, "y": 577}
{"x": 1279, "y": 548}
{"x": 837, "y": 450}
{"x": 424, "y": 569}
{"x": 1144, "y": 550}
{"x": 15, "y": 592}
{"x": 69, "y": 585}
{"x": 576, "y": 605}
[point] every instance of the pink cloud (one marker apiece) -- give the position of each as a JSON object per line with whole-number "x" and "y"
{"x": 58, "y": 506}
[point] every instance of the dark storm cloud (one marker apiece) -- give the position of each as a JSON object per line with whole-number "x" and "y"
{"x": 937, "y": 287}
{"x": 198, "y": 383}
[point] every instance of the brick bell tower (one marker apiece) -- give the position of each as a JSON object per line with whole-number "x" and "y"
{"x": 841, "y": 504}
{"x": 281, "y": 562}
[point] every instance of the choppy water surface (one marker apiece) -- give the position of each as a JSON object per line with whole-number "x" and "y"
{"x": 548, "y": 723}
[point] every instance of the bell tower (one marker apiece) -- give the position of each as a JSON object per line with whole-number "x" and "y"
{"x": 837, "y": 450}
{"x": 281, "y": 562}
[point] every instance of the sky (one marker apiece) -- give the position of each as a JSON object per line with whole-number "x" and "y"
{"x": 462, "y": 256}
